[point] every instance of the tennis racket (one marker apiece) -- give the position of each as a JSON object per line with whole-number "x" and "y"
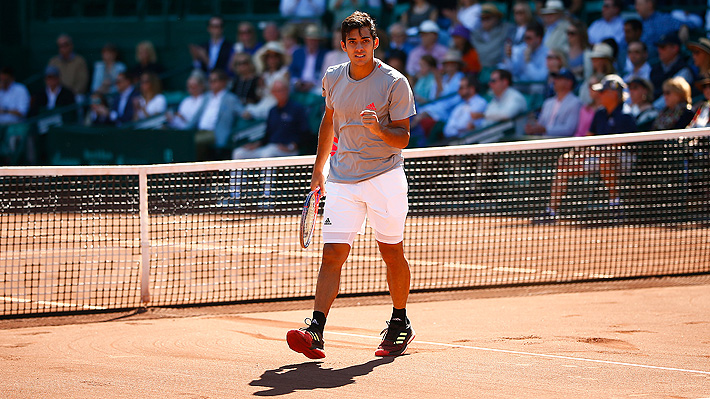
{"x": 308, "y": 217}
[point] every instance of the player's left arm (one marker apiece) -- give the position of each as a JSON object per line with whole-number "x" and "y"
{"x": 396, "y": 133}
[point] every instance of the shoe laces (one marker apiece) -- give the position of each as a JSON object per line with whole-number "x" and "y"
{"x": 391, "y": 332}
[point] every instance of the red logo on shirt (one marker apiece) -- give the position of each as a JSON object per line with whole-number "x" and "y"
{"x": 334, "y": 147}
{"x": 371, "y": 107}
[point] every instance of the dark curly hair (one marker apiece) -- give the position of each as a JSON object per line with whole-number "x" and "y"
{"x": 358, "y": 20}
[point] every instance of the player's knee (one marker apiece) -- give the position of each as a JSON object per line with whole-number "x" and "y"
{"x": 334, "y": 255}
{"x": 391, "y": 253}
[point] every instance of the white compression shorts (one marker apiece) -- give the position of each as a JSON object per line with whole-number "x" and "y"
{"x": 382, "y": 199}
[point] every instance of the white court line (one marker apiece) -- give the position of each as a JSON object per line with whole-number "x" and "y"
{"x": 51, "y": 303}
{"x": 576, "y": 359}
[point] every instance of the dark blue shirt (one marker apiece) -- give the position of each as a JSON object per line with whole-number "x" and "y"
{"x": 286, "y": 125}
{"x": 616, "y": 122}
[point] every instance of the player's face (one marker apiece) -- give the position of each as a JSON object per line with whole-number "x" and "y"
{"x": 360, "y": 46}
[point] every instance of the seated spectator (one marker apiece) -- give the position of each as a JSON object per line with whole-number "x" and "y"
{"x": 398, "y": 40}
{"x": 247, "y": 40}
{"x": 655, "y": 25}
{"x": 335, "y": 55}
{"x": 641, "y": 96}
{"x": 216, "y": 122}
{"x": 151, "y": 102}
{"x": 461, "y": 42}
{"x": 553, "y": 17}
{"x": 307, "y": 62}
{"x": 429, "y": 45}
{"x": 246, "y": 82}
{"x": 610, "y": 24}
{"x": 106, "y": 70}
{"x": 14, "y": 98}
{"x": 491, "y": 38}
{"x": 700, "y": 49}
{"x": 702, "y": 110}
{"x": 425, "y": 88}
{"x": 72, "y": 67}
{"x": 53, "y": 95}
{"x": 451, "y": 73}
{"x": 507, "y": 103}
{"x": 215, "y": 52}
{"x": 147, "y": 60}
{"x": 555, "y": 61}
{"x": 633, "y": 29}
{"x": 602, "y": 57}
{"x": 560, "y": 114}
{"x": 523, "y": 16}
{"x": 638, "y": 59}
{"x": 609, "y": 119}
{"x": 670, "y": 64}
{"x": 271, "y": 33}
{"x": 677, "y": 113}
{"x": 586, "y": 113}
{"x": 191, "y": 105}
{"x": 286, "y": 128}
{"x": 120, "y": 109}
{"x": 467, "y": 14}
{"x": 527, "y": 62}
{"x": 275, "y": 63}
{"x": 580, "y": 51}
{"x": 467, "y": 116}
{"x": 417, "y": 13}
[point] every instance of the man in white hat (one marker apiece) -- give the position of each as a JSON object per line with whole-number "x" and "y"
{"x": 490, "y": 39}
{"x": 429, "y": 37}
{"x": 553, "y": 17}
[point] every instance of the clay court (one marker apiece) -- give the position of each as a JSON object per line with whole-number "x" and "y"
{"x": 625, "y": 339}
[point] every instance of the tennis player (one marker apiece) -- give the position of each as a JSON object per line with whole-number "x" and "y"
{"x": 368, "y": 105}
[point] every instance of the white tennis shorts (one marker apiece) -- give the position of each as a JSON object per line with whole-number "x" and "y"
{"x": 382, "y": 199}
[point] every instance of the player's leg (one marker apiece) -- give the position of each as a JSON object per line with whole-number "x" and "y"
{"x": 334, "y": 256}
{"x": 343, "y": 215}
{"x": 387, "y": 210}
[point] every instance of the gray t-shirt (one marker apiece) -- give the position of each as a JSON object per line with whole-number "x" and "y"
{"x": 360, "y": 154}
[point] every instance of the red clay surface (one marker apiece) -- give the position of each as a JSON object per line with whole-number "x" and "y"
{"x": 648, "y": 338}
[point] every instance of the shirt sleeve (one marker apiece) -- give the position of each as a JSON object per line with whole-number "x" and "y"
{"x": 401, "y": 100}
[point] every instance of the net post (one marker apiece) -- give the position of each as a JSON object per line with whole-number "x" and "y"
{"x": 144, "y": 236}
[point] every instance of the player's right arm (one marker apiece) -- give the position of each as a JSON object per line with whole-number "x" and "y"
{"x": 325, "y": 144}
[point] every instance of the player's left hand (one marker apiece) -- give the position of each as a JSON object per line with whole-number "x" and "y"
{"x": 371, "y": 121}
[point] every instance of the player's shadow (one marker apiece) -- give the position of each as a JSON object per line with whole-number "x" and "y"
{"x": 311, "y": 375}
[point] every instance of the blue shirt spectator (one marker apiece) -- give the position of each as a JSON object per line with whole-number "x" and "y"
{"x": 655, "y": 25}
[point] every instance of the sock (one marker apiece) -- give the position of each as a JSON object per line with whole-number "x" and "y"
{"x": 615, "y": 201}
{"x": 399, "y": 316}
{"x": 318, "y": 320}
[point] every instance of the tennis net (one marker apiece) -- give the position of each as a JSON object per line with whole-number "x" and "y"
{"x": 96, "y": 238}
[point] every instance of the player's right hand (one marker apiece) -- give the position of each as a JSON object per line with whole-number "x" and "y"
{"x": 318, "y": 181}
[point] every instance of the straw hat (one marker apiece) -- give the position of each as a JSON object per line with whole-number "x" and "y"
{"x": 428, "y": 26}
{"x": 274, "y": 47}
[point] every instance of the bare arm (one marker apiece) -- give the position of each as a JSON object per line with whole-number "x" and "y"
{"x": 395, "y": 134}
{"x": 325, "y": 144}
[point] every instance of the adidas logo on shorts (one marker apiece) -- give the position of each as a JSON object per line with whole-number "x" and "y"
{"x": 327, "y": 222}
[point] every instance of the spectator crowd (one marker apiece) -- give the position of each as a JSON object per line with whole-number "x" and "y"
{"x": 471, "y": 65}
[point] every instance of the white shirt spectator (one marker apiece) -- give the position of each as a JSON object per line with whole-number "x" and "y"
{"x": 157, "y": 105}
{"x": 460, "y": 118}
{"x": 511, "y": 104}
{"x": 15, "y": 98}
{"x": 187, "y": 110}
{"x": 208, "y": 120}
{"x": 643, "y": 72}
{"x": 602, "y": 29}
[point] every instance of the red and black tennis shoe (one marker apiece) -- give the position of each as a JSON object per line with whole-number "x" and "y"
{"x": 398, "y": 335}
{"x": 307, "y": 340}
